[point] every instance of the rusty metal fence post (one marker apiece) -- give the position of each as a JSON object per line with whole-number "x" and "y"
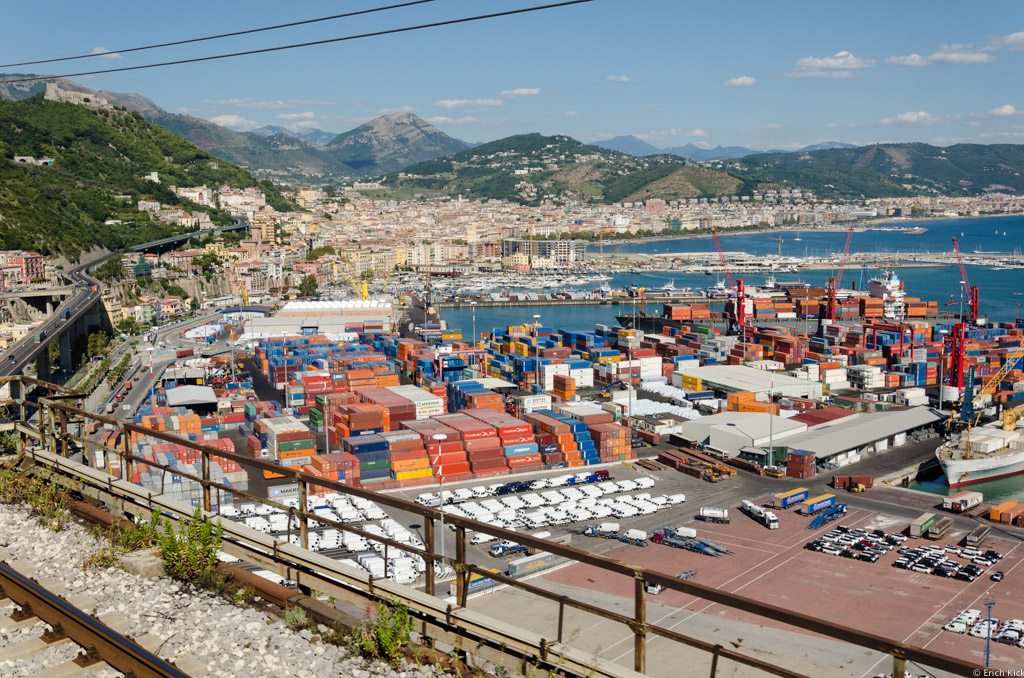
{"x": 206, "y": 481}
{"x": 63, "y": 434}
{"x": 303, "y": 520}
{"x": 460, "y": 566}
{"x": 126, "y": 454}
{"x": 428, "y": 541}
{"x": 640, "y": 623}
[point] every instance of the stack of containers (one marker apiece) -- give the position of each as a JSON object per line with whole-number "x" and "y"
{"x": 398, "y": 407}
{"x": 289, "y": 442}
{"x": 564, "y": 387}
{"x": 612, "y": 441}
{"x": 514, "y": 445}
{"x": 800, "y": 464}
{"x": 428, "y": 404}
{"x": 373, "y": 455}
{"x": 408, "y": 457}
{"x": 473, "y": 394}
{"x": 340, "y": 466}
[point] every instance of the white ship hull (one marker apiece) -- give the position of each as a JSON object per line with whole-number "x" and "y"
{"x": 983, "y": 467}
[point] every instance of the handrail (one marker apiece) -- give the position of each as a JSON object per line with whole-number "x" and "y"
{"x": 57, "y": 438}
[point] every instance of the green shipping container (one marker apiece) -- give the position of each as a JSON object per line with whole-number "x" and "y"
{"x": 250, "y": 409}
{"x": 701, "y": 329}
{"x": 292, "y": 445}
{"x": 316, "y": 415}
{"x": 374, "y": 465}
{"x": 321, "y": 400}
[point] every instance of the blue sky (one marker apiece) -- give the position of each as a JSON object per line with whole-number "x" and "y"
{"x": 763, "y": 75}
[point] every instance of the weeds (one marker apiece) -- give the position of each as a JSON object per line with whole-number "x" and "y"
{"x": 384, "y": 634}
{"x": 296, "y": 619}
{"x": 190, "y": 554}
{"x": 49, "y": 502}
{"x": 245, "y": 595}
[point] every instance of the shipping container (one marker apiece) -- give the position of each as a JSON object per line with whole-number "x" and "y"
{"x": 962, "y": 501}
{"x": 919, "y": 527}
{"x": 817, "y": 504}
{"x": 535, "y": 563}
{"x": 787, "y": 499}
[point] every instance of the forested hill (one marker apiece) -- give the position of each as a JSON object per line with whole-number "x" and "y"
{"x": 100, "y": 157}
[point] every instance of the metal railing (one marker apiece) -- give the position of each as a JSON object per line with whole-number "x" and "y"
{"x": 453, "y": 624}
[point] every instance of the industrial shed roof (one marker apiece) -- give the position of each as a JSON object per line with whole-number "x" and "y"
{"x": 855, "y": 433}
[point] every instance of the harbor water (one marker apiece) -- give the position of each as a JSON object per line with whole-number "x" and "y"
{"x": 1001, "y": 291}
{"x": 994, "y": 491}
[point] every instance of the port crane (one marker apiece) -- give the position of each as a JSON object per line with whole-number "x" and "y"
{"x": 834, "y": 284}
{"x": 971, "y": 292}
{"x": 721, "y": 258}
{"x": 778, "y": 240}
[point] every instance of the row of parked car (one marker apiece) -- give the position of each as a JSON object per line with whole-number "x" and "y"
{"x": 859, "y": 544}
{"x": 464, "y": 494}
{"x": 1010, "y": 632}
{"x": 936, "y": 560}
{"x": 545, "y": 510}
{"x": 333, "y": 506}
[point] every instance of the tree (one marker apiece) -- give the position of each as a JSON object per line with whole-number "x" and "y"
{"x": 308, "y": 286}
{"x": 97, "y": 344}
{"x": 129, "y": 326}
{"x": 53, "y": 350}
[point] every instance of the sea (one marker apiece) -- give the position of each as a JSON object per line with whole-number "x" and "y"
{"x": 1001, "y": 291}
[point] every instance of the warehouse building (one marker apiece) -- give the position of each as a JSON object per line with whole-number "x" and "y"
{"x": 845, "y": 441}
{"x": 341, "y": 320}
{"x": 726, "y": 379}
{"x": 729, "y": 432}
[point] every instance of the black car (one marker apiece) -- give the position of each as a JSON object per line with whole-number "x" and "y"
{"x": 847, "y": 553}
{"x": 997, "y": 576}
{"x": 994, "y": 555}
{"x": 964, "y": 575}
{"x": 869, "y": 556}
{"x": 944, "y": 572}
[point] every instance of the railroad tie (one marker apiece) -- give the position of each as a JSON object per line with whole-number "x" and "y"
{"x": 28, "y": 648}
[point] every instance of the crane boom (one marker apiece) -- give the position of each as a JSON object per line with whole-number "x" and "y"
{"x": 842, "y": 260}
{"x": 971, "y": 292}
{"x": 721, "y": 258}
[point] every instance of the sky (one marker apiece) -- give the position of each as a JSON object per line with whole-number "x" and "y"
{"x": 755, "y": 74}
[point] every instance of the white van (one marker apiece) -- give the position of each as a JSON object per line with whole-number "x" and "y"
{"x": 481, "y": 538}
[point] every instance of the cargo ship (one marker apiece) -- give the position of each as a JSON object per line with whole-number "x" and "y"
{"x": 985, "y": 453}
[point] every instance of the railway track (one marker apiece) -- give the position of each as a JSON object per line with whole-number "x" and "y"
{"x": 99, "y": 645}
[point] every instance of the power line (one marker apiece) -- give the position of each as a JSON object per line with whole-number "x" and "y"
{"x": 264, "y": 50}
{"x": 222, "y": 35}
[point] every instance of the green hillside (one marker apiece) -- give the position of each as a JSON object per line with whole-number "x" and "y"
{"x": 886, "y": 170}
{"x": 529, "y": 168}
{"x": 99, "y": 156}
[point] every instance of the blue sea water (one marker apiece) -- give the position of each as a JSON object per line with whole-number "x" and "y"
{"x": 1001, "y": 292}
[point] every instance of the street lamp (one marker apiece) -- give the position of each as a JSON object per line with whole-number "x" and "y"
{"x": 988, "y": 636}
{"x": 536, "y": 319}
{"x": 473, "y": 305}
{"x": 439, "y": 438}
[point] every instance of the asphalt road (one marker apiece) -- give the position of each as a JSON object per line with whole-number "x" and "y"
{"x": 17, "y": 358}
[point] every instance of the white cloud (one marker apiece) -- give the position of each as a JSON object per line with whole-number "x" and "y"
{"x": 909, "y": 118}
{"x": 571, "y": 114}
{"x": 521, "y": 92}
{"x": 101, "y": 51}
{"x": 839, "y": 65}
{"x": 770, "y": 127}
{"x": 400, "y": 109}
{"x": 308, "y": 115}
{"x": 673, "y": 132}
{"x": 270, "y": 105}
{"x": 741, "y": 81}
{"x": 947, "y": 54}
{"x": 618, "y": 78}
{"x": 445, "y": 120}
{"x": 1005, "y": 109}
{"x": 468, "y": 103}
{"x": 1015, "y": 41}
{"x": 233, "y": 121}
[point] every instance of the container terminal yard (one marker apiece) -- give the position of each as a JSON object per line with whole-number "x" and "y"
{"x": 745, "y": 456}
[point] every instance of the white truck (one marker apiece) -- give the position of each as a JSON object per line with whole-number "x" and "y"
{"x": 766, "y": 518}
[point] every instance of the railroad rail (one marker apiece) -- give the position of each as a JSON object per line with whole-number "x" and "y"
{"x": 67, "y": 622}
{"x": 50, "y": 442}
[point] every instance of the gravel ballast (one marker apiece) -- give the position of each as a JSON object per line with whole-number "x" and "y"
{"x": 200, "y": 631}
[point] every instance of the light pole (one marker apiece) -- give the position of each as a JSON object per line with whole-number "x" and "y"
{"x": 988, "y": 636}
{"x": 536, "y": 319}
{"x": 439, "y": 438}
{"x": 473, "y": 304}
{"x": 942, "y": 360}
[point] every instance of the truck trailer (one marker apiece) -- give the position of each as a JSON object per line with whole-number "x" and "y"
{"x": 766, "y": 518}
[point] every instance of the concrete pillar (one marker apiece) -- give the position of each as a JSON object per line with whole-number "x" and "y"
{"x": 65, "y": 353}
{"x": 49, "y": 307}
{"x": 43, "y": 365}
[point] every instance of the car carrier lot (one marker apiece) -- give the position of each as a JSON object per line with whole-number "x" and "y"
{"x": 769, "y": 565}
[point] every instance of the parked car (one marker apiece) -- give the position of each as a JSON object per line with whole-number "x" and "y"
{"x": 997, "y": 576}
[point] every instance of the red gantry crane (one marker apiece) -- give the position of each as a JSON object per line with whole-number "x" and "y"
{"x": 971, "y": 292}
{"x": 721, "y": 258}
{"x": 835, "y": 283}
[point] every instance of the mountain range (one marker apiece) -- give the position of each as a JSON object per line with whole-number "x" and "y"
{"x": 384, "y": 144}
{"x": 637, "y": 146}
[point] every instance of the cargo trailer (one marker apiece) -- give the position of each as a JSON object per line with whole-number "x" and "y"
{"x": 920, "y": 526}
{"x": 810, "y": 507}
{"x": 787, "y": 499}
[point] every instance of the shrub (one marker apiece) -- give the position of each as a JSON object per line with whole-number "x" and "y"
{"x": 382, "y": 636}
{"x": 190, "y": 554}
